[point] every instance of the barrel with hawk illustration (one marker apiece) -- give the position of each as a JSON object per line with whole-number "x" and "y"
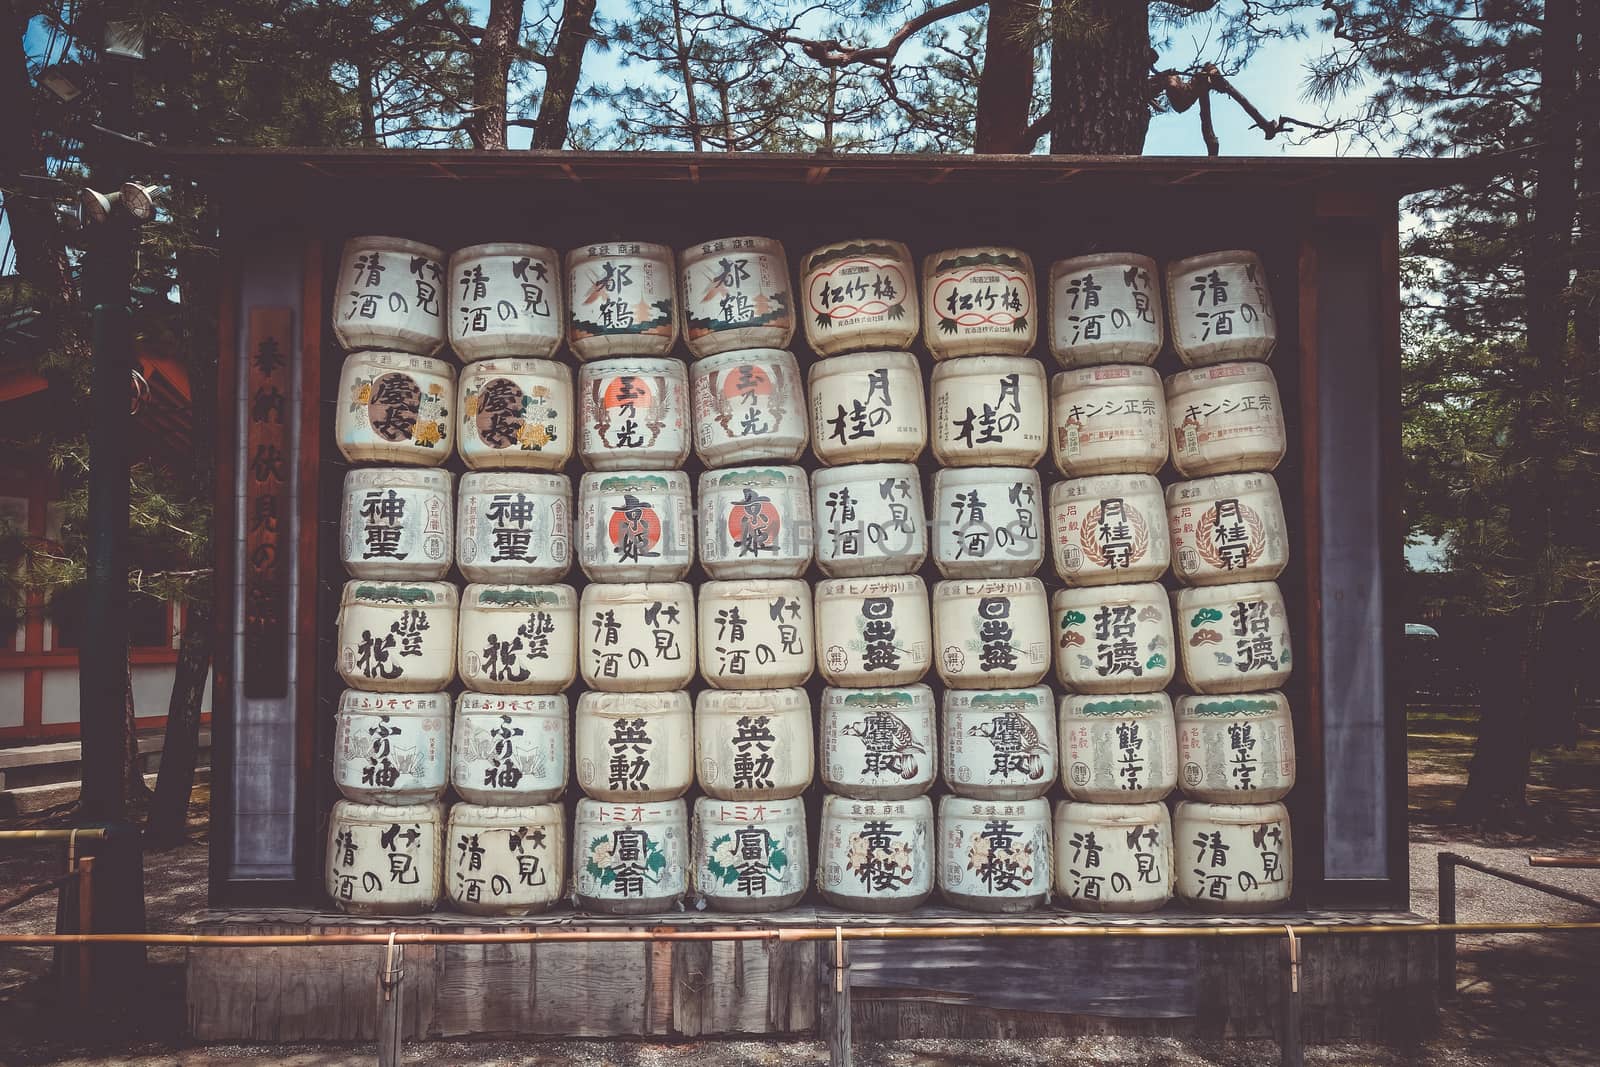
{"x": 978, "y": 302}
{"x": 859, "y": 294}
{"x": 998, "y": 744}
{"x": 878, "y": 744}
{"x": 622, "y": 300}
{"x": 736, "y": 294}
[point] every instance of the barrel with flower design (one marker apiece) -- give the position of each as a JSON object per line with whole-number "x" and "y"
{"x": 875, "y": 855}
{"x": 750, "y": 856}
{"x": 994, "y": 855}
{"x": 395, "y": 408}
{"x": 630, "y": 857}
{"x": 516, "y": 413}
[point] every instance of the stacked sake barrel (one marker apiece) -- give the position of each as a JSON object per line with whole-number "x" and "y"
{"x": 877, "y": 743}
{"x": 400, "y": 636}
{"x": 1115, "y": 531}
{"x": 1229, "y": 545}
{"x": 634, "y": 729}
{"x": 988, "y": 414}
{"x": 753, "y": 723}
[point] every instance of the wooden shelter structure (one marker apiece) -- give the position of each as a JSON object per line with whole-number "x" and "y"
{"x": 1327, "y": 231}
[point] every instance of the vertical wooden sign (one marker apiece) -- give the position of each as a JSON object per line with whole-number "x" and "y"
{"x": 266, "y": 479}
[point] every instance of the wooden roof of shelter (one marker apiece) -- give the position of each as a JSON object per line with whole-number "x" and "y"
{"x": 259, "y": 166}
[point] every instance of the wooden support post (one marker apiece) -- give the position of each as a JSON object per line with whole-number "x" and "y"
{"x": 1447, "y": 914}
{"x": 839, "y": 1023}
{"x": 85, "y": 872}
{"x": 1291, "y": 1045}
{"x": 391, "y": 1004}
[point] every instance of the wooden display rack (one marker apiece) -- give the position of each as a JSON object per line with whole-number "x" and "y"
{"x": 1326, "y": 230}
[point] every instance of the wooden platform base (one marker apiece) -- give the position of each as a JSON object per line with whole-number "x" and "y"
{"x": 1358, "y": 987}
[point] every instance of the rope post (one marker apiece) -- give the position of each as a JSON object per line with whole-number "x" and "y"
{"x": 839, "y": 1053}
{"x": 1447, "y": 915}
{"x": 391, "y": 1003}
{"x": 1291, "y": 1045}
{"x": 85, "y": 872}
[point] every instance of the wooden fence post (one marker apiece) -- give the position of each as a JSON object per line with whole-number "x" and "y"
{"x": 1447, "y": 914}
{"x": 839, "y": 1054}
{"x": 391, "y": 1004}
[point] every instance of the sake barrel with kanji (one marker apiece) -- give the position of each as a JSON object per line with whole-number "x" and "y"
{"x": 878, "y": 744}
{"x": 978, "y": 301}
{"x": 750, "y": 856}
{"x": 753, "y": 744}
{"x": 999, "y": 744}
{"x": 736, "y": 294}
{"x": 755, "y": 522}
{"x": 756, "y": 634}
{"x": 391, "y": 748}
{"x": 875, "y": 855}
{"x": 1221, "y": 308}
{"x": 869, "y": 519}
{"x": 621, "y": 300}
{"x": 873, "y": 631}
{"x": 390, "y": 294}
{"x": 867, "y": 408}
{"x": 384, "y": 860}
{"x": 510, "y": 750}
{"x": 1114, "y": 638}
{"x": 1108, "y": 420}
{"x": 1225, "y": 417}
{"x": 506, "y": 299}
{"x": 514, "y": 527}
{"x": 989, "y": 411}
{"x": 516, "y": 414}
{"x": 637, "y": 637}
{"x": 1106, "y": 308}
{"x": 859, "y": 294}
{"x": 1229, "y": 528}
{"x": 1233, "y": 858}
{"x": 396, "y": 523}
{"x": 630, "y": 857}
{"x": 505, "y": 860}
{"x": 1112, "y": 858}
{"x": 397, "y": 637}
{"x": 994, "y": 855}
{"x": 1109, "y": 529}
{"x": 1118, "y": 749}
{"x": 635, "y": 526}
{"x": 749, "y": 406}
{"x": 988, "y": 522}
{"x": 991, "y": 633}
{"x": 634, "y": 746}
{"x": 393, "y": 407}
{"x": 1235, "y": 749}
{"x": 1234, "y": 638}
{"x": 633, "y": 414}
{"x": 519, "y": 639}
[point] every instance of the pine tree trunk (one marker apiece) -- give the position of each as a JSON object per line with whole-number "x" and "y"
{"x": 561, "y": 76}
{"x": 491, "y": 71}
{"x": 1498, "y": 773}
{"x": 1005, "y": 89}
{"x": 368, "y": 105}
{"x": 133, "y": 787}
{"x": 1100, "y": 59}
{"x": 691, "y": 103}
{"x": 180, "y": 752}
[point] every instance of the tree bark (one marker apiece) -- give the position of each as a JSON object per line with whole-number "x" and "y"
{"x": 369, "y": 106}
{"x": 1100, "y": 59}
{"x": 491, "y": 73}
{"x": 133, "y": 787}
{"x": 1005, "y": 88}
{"x": 561, "y": 74}
{"x": 169, "y": 809}
{"x": 36, "y": 234}
{"x": 691, "y": 105}
{"x": 1498, "y": 773}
